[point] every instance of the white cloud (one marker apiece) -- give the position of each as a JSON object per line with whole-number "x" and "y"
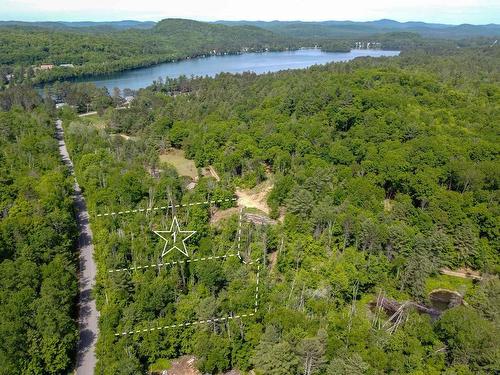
{"x": 451, "y": 11}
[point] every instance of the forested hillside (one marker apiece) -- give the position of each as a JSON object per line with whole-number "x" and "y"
{"x": 90, "y": 26}
{"x": 383, "y": 172}
{"x": 351, "y": 29}
{"x": 38, "y": 284}
{"x": 94, "y": 51}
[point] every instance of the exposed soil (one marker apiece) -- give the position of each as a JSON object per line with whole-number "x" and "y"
{"x": 127, "y": 137}
{"x": 256, "y": 197}
{"x": 443, "y": 299}
{"x": 210, "y": 172}
{"x": 464, "y": 273}
{"x": 185, "y": 365}
{"x": 87, "y": 114}
{"x": 273, "y": 259}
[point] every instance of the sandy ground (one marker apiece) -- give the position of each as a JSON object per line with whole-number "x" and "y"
{"x": 256, "y": 197}
{"x": 184, "y": 365}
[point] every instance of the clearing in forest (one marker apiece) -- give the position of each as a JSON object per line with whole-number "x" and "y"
{"x": 255, "y": 197}
{"x": 95, "y": 120}
{"x": 185, "y": 365}
{"x": 177, "y": 159}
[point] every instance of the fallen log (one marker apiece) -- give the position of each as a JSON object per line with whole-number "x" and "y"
{"x": 391, "y": 307}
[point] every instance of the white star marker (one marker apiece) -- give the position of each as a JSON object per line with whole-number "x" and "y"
{"x": 175, "y": 232}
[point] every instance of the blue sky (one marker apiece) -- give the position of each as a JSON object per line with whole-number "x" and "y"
{"x": 441, "y": 11}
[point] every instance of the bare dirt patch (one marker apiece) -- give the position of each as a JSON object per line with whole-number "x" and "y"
{"x": 177, "y": 159}
{"x": 464, "y": 273}
{"x": 183, "y": 366}
{"x": 88, "y": 114}
{"x": 256, "y": 197}
{"x": 186, "y": 365}
{"x": 273, "y": 259}
{"x": 126, "y": 137}
{"x": 210, "y": 172}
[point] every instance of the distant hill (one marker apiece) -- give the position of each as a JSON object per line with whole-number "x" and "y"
{"x": 208, "y": 35}
{"x": 294, "y": 29}
{"x": 120, "y": 25}
{"x": 351, "y": 29}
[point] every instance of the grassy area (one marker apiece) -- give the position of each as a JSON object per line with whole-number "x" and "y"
{"x": 95, "y": 120}
{"x": 449, "y": 282}
{"x": 160, "y": 365}
{"x": 177, "y": 159}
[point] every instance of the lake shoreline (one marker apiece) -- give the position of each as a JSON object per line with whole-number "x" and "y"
{"x": 259, "y": 62}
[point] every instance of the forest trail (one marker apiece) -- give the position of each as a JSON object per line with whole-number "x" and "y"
{"x": 87, "y": 114}
{"x": 463, "y": 273}
{"x": 87, "y": 311}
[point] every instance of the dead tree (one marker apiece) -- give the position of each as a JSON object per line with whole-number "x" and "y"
{"x": 399, "y": 312}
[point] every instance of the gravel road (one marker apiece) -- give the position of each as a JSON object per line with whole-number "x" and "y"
{"x": 87, "y": 312}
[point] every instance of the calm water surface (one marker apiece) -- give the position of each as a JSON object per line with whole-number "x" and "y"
{"x": 210, "y": 66}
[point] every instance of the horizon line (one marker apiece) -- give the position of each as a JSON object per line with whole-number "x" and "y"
{"x": 250, "y": 20}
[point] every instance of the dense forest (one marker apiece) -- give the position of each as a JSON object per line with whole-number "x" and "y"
{"x": 38, "y": 282}
{"x": 383, "y": 172}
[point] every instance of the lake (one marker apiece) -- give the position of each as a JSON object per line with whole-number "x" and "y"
{"x": 262, "y": 62}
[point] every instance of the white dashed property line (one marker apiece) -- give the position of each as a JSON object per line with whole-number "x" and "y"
{"x": 158, "y": 265}
{"x": 214, "y": 320}
{"x": 239, "y": 233}
{"x": 165, "y": 207}
{"x": 257, "y": 289}
{"x": 240, "y": 220}
{"x": 198, "y": 322}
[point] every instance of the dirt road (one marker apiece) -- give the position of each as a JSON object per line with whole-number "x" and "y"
{"x": 462, "y": 273}
{"x": 87, "y": 311}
